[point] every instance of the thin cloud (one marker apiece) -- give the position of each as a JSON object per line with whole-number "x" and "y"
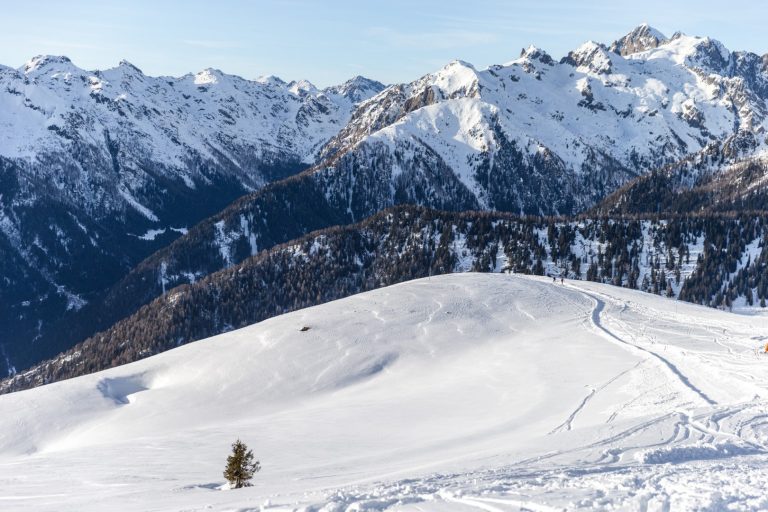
{"x": 444, "y": 39}
{"x": 212, "y": 44}
{"x": 69, "y": 45}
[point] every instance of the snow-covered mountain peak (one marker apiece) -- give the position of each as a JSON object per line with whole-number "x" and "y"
{"x": 534, "y": 53}
{"x": 43, "y": 62}
{"x": 167, "y": 124}
{"x": 272, "y": 80}
{"x": 710, "y": 54}
{"x": 457, "y": 67}
{"x": 208, "y": 76}
{"x": 456, "y": 77}
{"x": 596, "y": 109}
{"x": 644, "y": 29}
{"x": 127, "y": 66}
{"x": 690, "y": 51}
{"x": 533, "y": 60}
{"x": 357, "y": 89}
{"x": 302, "y": 87}
{"x": 593, "y": 57}
{"x": 642, "y": 38}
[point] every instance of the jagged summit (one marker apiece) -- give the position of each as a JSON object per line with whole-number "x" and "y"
{"x": 357, "y": 88}
{"x": 535, "y": 53}
{"x": 693, "y": 52}
{"x": 124, "y": 64}
{"x": 592, "y": 56}
{"x": 302, "y": 87}
{"x": 642, "y": 38}
{"x": 362, "y": 81}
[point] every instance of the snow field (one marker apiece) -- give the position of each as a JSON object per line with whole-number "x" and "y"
{"x": 459, "y": 392}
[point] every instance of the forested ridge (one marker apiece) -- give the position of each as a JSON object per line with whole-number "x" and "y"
{"x": 711, "y": 259}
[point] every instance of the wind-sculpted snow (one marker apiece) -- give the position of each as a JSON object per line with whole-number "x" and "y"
{"x": 460, "y": 392}
{"x": 698, "y": 451}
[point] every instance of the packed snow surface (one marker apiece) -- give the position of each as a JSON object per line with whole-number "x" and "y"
{"x": 462, "y": 392}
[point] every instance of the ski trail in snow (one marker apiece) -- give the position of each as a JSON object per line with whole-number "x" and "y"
{"x": 597, "y": 323}
{"x": 567, "y": 424}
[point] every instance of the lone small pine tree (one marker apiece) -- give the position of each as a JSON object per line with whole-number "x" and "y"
{"x": 240, "y": 466}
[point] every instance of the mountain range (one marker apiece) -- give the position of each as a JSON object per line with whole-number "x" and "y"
{"x": 117, "y": 187}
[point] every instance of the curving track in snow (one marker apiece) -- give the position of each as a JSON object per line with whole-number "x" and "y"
{"x": 684, "y": 380}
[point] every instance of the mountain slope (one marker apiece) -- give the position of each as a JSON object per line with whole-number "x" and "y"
{"x": 99, "y": 169}
{"x": 716, "y": 261}
{"x": 693, "y": 185}
{"x": 455, "y": 392}
{"x": 533, "y": 136}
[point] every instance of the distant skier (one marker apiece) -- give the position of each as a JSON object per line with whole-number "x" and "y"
{"x": 562, "y": 280}
{"x": 554, "y": 279}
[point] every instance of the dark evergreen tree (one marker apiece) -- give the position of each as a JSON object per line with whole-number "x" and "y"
{"x": 240, "y": 466}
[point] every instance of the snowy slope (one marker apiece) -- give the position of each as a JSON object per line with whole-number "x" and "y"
{"x": 461, "y": 392}
{"x": 717, "y": 262}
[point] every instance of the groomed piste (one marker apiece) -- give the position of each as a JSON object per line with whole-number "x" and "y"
{"x": 460, "y": 392}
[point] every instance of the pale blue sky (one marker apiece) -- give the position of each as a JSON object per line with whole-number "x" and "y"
{"x": 328, "y": 41}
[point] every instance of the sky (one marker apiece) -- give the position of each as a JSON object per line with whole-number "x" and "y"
{"x": 329, "y": 41}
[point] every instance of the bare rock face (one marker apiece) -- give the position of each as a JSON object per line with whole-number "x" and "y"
{"x": 642, "y": 38}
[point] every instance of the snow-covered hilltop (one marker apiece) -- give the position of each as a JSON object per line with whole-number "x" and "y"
{"x": 461, "y": 392}
{"x": 715, "y": 261}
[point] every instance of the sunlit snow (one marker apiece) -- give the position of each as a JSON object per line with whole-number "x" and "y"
{"x": 460, "y": 392}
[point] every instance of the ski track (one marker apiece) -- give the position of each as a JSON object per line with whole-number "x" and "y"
{"x": 595, "y": 319}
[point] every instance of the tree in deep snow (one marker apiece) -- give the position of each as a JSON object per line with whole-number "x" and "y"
{"x": 240, "y": 466}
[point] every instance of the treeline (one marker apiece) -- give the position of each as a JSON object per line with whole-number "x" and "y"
{"x": 695, "y": 257}
{"x": 704, "y": 184}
